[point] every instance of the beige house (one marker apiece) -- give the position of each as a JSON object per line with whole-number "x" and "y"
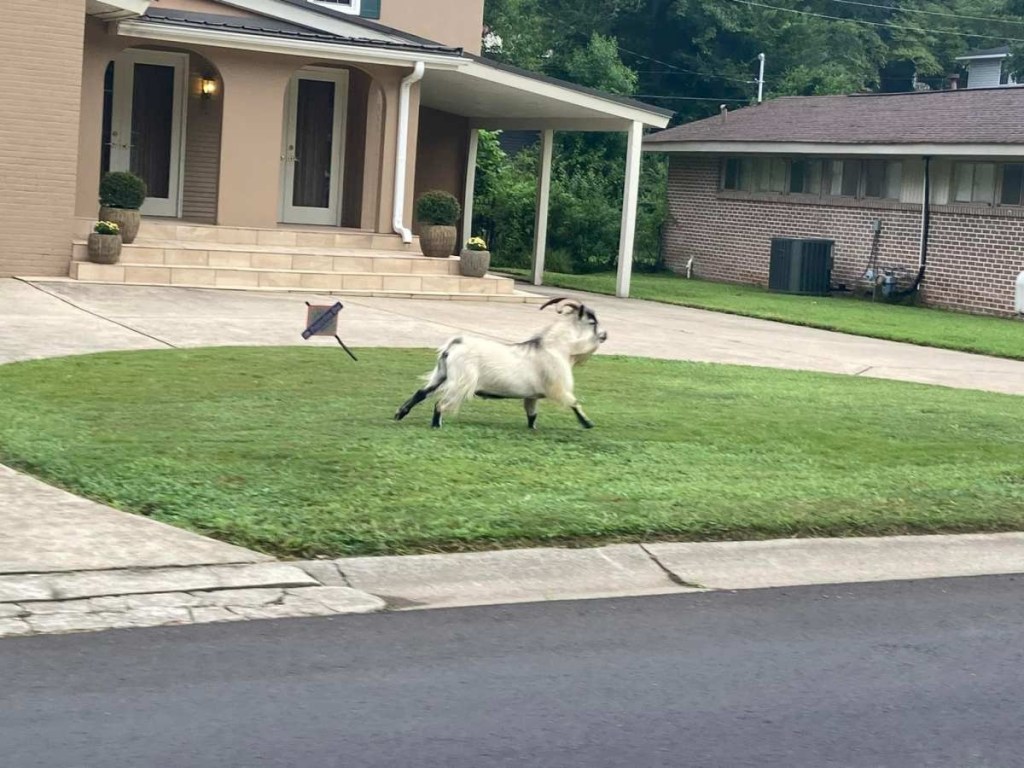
{"x": 283, "y": 142}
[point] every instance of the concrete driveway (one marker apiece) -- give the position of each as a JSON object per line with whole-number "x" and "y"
{"x": 52, "y": 319}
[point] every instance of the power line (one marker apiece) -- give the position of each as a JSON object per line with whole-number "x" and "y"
{"x": 944, "y": 14}
{"x": 878, "y": 23}
{"x": 682, "y": 69}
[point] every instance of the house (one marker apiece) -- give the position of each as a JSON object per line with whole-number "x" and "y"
{"x": 283, "y": 141}
{"x": 857, "y": 170}
{"x": 988, "y": 68}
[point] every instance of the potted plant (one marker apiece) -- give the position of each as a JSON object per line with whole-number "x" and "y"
{"x": 438, "y": 213}
{"x": 121, "y": 196}
{"x": 105, "y": 243}
{"x": 476, "y": 259}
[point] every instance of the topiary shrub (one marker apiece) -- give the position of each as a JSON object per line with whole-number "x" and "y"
{"x": 438, "y": 208}
{"x": 121, "y": 189}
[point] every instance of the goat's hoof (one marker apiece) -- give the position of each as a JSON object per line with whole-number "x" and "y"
{"x": 588, "y": 425}
{"x": 399, "y": 416}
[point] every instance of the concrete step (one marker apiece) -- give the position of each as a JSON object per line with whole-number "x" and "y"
{"x": 278, "y": 258}
{"x": 285, "y": 235}
{"x": 313, "y": 280}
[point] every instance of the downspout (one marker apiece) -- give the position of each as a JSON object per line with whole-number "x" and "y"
{"x": 925, "y": 225}
{"x": 402, "y": 157}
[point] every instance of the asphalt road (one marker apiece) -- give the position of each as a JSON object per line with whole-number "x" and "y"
{"x": 909, "y": 675}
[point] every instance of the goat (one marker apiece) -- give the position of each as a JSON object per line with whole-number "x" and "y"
{"x": 538, "y": 368}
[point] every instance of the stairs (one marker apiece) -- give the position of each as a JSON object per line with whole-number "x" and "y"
{"x": 322, "y": 261}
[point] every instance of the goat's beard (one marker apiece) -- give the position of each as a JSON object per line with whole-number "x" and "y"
{"x": 580, "y": 359}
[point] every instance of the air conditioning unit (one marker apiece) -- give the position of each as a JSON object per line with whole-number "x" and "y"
{"x": 800, "y": 266}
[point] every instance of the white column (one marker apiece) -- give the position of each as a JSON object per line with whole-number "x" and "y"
{"x": 629, "y": 201}
{"x": 470, "y": 192}
{"x": 540, "y": 237}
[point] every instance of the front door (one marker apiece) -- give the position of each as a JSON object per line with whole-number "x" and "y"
{"x": 314, "y": 139}
{"x": 146, "y": 124}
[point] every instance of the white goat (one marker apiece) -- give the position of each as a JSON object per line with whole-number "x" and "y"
{"x": 538, "y": 368}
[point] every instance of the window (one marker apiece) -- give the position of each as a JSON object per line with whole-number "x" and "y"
{"x": 733, "y": 177}
{"x": 1013, "y": 185}
{"x": 974, "y": 183}
{"x": 759, "y": 174}
{"x": 805, "y": 177}
{"x": 883, "y": 179}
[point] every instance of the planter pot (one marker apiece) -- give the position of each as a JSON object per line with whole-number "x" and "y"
{"x": 438, "y": 241}
{"x": 129, "y": 221}
{"x": 475, "y": 263}
{"x": 104, "y": 249}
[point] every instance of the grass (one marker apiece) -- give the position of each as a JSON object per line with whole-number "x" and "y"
{"x": 926, "y": 327}
{"x": 293, "y": 452}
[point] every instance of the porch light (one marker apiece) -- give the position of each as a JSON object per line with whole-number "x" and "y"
{"x": 207, "y": 86}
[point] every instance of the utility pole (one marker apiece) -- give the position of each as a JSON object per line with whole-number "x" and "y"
{"x": 760, "y": 79}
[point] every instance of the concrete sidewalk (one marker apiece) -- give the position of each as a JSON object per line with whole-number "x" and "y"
{"x": 54, "y": 319}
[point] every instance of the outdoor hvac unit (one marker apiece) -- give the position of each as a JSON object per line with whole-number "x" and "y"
{"x": 800, "y": 266}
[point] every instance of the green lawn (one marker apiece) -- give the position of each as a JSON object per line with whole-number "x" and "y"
{"x": 927, "y": 327}
{"x": 293, "y": 452}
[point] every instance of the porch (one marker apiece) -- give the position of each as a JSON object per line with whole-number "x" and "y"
{"x": 282, "y": 157}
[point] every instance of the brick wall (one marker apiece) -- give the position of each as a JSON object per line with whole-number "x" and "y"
{"x": 40, "y": 91}
{"x": 973, "y": 258}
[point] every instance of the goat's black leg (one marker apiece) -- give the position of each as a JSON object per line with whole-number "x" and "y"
{"x": 415, "y": 400}
{"x": 436, "y": 422}
{"x": 531, "y": 412}
{"x": 582, "y": 417}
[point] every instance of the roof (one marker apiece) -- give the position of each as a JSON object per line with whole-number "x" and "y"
{"x": 965, "y": 116}
{"x": 625, "y": 100}
{"x": 281, "y": 29}
{"x": 1001, "y": 51}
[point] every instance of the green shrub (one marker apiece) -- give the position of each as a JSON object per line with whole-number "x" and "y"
{"x": 107, "y": 228}
{"x": 438, "y": 208}
{"x": 121, "y": 189}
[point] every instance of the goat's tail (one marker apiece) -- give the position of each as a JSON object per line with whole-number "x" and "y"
{"x": 456, "y": 382}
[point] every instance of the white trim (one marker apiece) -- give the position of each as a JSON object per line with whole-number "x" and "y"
{"x": 468, "y": 198}
{"x": 812, "y": 148}
{"x": 540, "y": 233}
{"x": 557, "y": 92}
{"x": 110, "y": 10}
{"x": 313, "y": 19}
{"x": 121, "y": 123}
{"x": 262, "y": 44}
{"x": 352, "y": 7}
{"x": 330, "y": 216}
{"x": 982, "y": 58}
{"x": 402, "y": 153}
{"x": 630, "y": 197}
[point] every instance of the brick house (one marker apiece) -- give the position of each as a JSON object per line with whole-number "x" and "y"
{"x": 855, "y": 170}
{"x": 283, "y": 141}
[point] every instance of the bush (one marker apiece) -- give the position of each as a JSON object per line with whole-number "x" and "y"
{"x": 121, "y": 189}
{"x": 438, "y": 208}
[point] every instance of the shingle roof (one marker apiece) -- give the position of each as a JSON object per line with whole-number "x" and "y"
{"x": 966, "y": 116}
{"x": 274, "y": 28}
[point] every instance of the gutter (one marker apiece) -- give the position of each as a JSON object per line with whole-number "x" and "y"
{"x": 402, "y": 158}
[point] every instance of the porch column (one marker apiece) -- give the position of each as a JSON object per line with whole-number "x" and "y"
{"x": 470, "y": 192}
{"x": 631, "y": 192}
{"x": 540, "y": 238}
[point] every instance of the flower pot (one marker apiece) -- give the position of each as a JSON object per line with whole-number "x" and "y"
{"x": 475, "y": 263}
{"x": 438, "y": 241}
{"x": 104, "y": 249}
{"x": 128, "y": 220}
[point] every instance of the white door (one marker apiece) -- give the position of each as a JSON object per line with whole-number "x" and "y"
{"x": 147, "y": 124}
{"x": 314, "y": 147}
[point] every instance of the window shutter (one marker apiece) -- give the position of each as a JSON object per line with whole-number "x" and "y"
{"x": 370, "y": 9}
